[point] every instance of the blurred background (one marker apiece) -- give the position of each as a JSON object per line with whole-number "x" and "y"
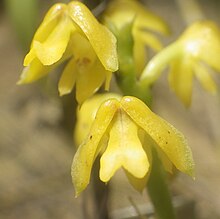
{"x": 36, "y": 148}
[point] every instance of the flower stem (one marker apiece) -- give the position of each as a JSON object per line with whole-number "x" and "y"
{"x": 158, "y": 190}
{"x": 128, "y": 83}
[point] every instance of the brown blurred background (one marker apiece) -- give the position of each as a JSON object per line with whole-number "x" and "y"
{"x": 36, "y": 148}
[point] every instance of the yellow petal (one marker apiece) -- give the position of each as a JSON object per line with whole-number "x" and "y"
{"x": 85, "y": 155}
{"x": 181, "y": 78}
{"x": 159, "y": 62}
{"x": 169, "y": 139}
{"x": 50, "y": 21}
{"x": 150, "y": 40}
{"x": 148, "y": 20}
{"x": 101, "y": 39}
{"x": 89, "y": 80}
{"x": 140, "y": 183}
{"x": 203, "y": 41}
{"x": 29, "y": 57}
{"x": 124, "y": 150}
{"x": 51, "y": 51}
{"x": 131, "y": 9}
{"x": 86, "y": 115}
{"x": 108, "y": 77}
{"x": 202, "y": 74}
{"x": 68, "y": 78}
{"x": 34, "y": 72}
{"x": 81, "y": 48}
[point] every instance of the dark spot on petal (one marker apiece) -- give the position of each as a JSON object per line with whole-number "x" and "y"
{"x": 166, "y": 142}
{"x": 168, "y": 132}
{"x": 83, "y": 61}
{"x": 90, "y": 137}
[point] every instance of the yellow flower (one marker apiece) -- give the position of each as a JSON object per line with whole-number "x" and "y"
{"x": 71, "y": 33}
{"x": 124, "y": 131}
{"x": 122, "y": 12}
{"x": 189, "y": 56}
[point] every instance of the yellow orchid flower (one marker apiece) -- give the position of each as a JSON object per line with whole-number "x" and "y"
{"x": 123, "y": 131}
{"x": 122, "y": 12}
{"x": 187, "y": 57}
{"x": 70, "y": 32}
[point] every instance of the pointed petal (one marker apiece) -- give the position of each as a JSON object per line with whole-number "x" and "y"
{"x": 181, "y": 78}
{"x": 68, "y": 78}
{"x": 85, "y": 155}
{"x": 89, "y": 80}
{"x": 34, "y": 72}
{"x": 124, "y": 150}
{"x": 108, "y": 77}
{"x": 202, "y": 74}
{"x": 51, "y": 51}
{"x": 159, "y": 62}
{"x": 101, "y": 39}
{"x": 169, "y": 139}
{"x": 150, "y": 40}
{"x": 29, "y": 57}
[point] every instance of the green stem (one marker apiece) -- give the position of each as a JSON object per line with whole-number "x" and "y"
{"x": 158, "y": 190}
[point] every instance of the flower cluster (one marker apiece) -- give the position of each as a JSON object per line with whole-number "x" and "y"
{"x": 124, "y": 130}
{"x": 120, "y": 129}
{"x": 70, "y": 33}
{"x": 188, "y": 56}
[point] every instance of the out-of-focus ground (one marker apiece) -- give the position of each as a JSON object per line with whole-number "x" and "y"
{"x": 36, "y": 151}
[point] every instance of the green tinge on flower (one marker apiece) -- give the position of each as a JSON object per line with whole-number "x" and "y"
{"x": 121, "y": 12}
{"x": 123, "y": 131}
{"x": 70, "y": 32}
{"x": 189, "y": 56}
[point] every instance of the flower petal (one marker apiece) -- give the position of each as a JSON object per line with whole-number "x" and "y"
{"x": 89, "y": 80}
{"x": 131, "y": 9}
{"x": 34, "y": 72}
{"x": 140, "y": 183}
{"x": 86, "y": 115}
{"x": 169, "y": 139}
{"x": 68, "y": 78}
{"x": 101, "y": 39}
{"x": 50, "y": 21}
{"x": 203, "y": 40}
{"x": 85, "y": 155}
{"x": 124, "y": 150}
{"x": 181, "y": 78}
{"x": 150, "y": 40}
{"x": 51, "y": 51}
{"x": 202, "y": 74}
